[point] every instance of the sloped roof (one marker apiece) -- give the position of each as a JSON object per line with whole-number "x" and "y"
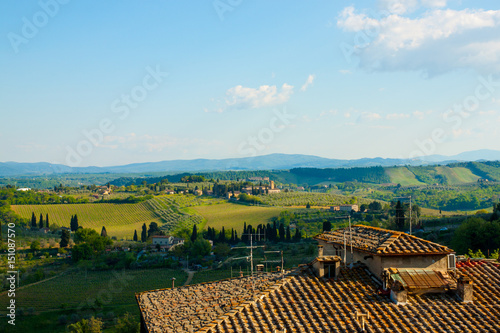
{"x": 303, "y": 303}
{"x": 416, "y": 278}
{"x": 383, "y": 241}
{"x": 191, "y": 307}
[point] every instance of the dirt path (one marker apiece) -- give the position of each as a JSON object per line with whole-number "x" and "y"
{"x": 190, "y": 277}
{"x": 38, "y": 282}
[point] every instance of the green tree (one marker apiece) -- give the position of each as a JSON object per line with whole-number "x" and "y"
{"x": 375, "y": 205}
{"x": 82, "y": 252}
{"x": 201, "y": 247}
{"x": 85, "y": 235}
{"x": 194, "y": 234}
{"x": 144, "y": 233}
{"x": 222, "y": 250}
{"x": 127, "y": 324}
{"x": 33, "y": 220}
{"x": 400, "y": 216}
{"x": 65, "y": 237}
{"x": 476, "y": 234}
{"x": 92, "y": 325}
{"x": 104, "y": 233}
{"x": 282, "y": 232}
{"x": 327, "y": 226}
{"x": 47, "y": 220}
{"x": 297, "y": 237}
{"x": 153, "y": 229}
{"x": 35, "y": 245}
{"x": 74, "y": 223}
{"x": 288, "y": 234}
{"x": 135, "y": 235}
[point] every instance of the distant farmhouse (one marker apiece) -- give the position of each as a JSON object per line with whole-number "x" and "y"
{"x": 167, "y": 242}
{"x": 345, "y": 208}
{"x": 363, "y": 279}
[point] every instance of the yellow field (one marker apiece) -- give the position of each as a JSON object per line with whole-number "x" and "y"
{"x": 120, "y": 220}
{"x": 229, "y": 215}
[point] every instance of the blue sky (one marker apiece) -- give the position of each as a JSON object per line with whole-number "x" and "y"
{"x": 116, "y": 82}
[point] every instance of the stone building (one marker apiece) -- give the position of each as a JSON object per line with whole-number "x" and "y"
{"x": 335, "y": 295}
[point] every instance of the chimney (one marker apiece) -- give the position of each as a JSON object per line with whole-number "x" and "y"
{"x": 465, "y": 289}
{"x": 320, "y": 250}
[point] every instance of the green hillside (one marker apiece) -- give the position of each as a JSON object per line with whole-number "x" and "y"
{"x": 456, "y": 175}
{"x": 403, "y": 176}
{"x": 229, "y": 215}
{"x": 120, "y": 220}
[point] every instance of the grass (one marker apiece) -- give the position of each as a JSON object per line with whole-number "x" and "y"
{"x": 77, "y": 287}
{"x": 457, "y": 175}
{"x": 229, "y": 215}
{"x": 120, "y": 220}
{"x": 402, "y": 176}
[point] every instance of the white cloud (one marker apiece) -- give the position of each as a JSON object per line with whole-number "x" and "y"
{"x": 309, "y": 81}
{"x": 327, "y": 113}
{"x": 437, "y": 41}
{"x": 240, "y": 97}
{"x": 395, "y": 116}
{"x": 345, "y": 71}
{"x": 399, "y": 6}
{"x": 418, "y": 114}
{"x": 369, "y": 117}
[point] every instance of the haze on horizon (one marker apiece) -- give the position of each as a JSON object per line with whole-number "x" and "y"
{"x": 86, "y": 83}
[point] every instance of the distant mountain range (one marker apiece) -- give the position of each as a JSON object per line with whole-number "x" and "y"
{"x": 265, "y": 162}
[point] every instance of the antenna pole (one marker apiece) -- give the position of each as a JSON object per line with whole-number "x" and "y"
{"x": 350, "y": 239}
{"x": 410, "y": 214}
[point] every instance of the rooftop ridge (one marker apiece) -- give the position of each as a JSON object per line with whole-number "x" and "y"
{"x": 384, "y": 241}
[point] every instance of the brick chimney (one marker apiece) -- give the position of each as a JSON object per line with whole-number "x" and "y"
{"x": 320, "y": 250}
{"x": 465, "y": 289}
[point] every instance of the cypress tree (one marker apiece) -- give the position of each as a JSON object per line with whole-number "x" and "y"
{"x": 400, "y": 216}
{"x": 135, "y": 235}
{"x": 64, "y": 238}
{"x": 144, "y": 233}
{"x": 194, "y": 234}
{"x": 288, "y": 235}
{"x": 47, "y": 220}
{"x": 297, "y": 235}
{"x": 327, "y": 226}
{"x": 33, "y": 220}
{"x": 282, "y": 232}
{"x": 40, "y": 223}
{"x": 104, "y": 233}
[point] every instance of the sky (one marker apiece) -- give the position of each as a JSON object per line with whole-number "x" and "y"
{"x": 116, "y": 82}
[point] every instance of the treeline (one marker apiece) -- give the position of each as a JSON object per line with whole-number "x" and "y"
{"x": 375, "y": 175}
{"x": 15, "y": 197}
{"x": 191, "y": 177}
{"x": 487, "y": 170}
{"x": 270, "y": 232}
{"x": 478, "y": 234}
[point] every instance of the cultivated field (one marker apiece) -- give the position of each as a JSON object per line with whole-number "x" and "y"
{"x": 457, "y": 175}
{"x": 402, "y": 176}
{"x": 120, "y": 220}
{"x": 297, "y": 199}
{"x": 229, "y": 215}
{"x": 77, "y": 287}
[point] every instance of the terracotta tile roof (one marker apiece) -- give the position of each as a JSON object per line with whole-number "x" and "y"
{"x": 303, "y": 303}
{"x": 383, "y": 241}
{"x": 191, "y": 307}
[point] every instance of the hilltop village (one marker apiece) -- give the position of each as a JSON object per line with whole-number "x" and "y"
{"x": 253, "y": 252}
